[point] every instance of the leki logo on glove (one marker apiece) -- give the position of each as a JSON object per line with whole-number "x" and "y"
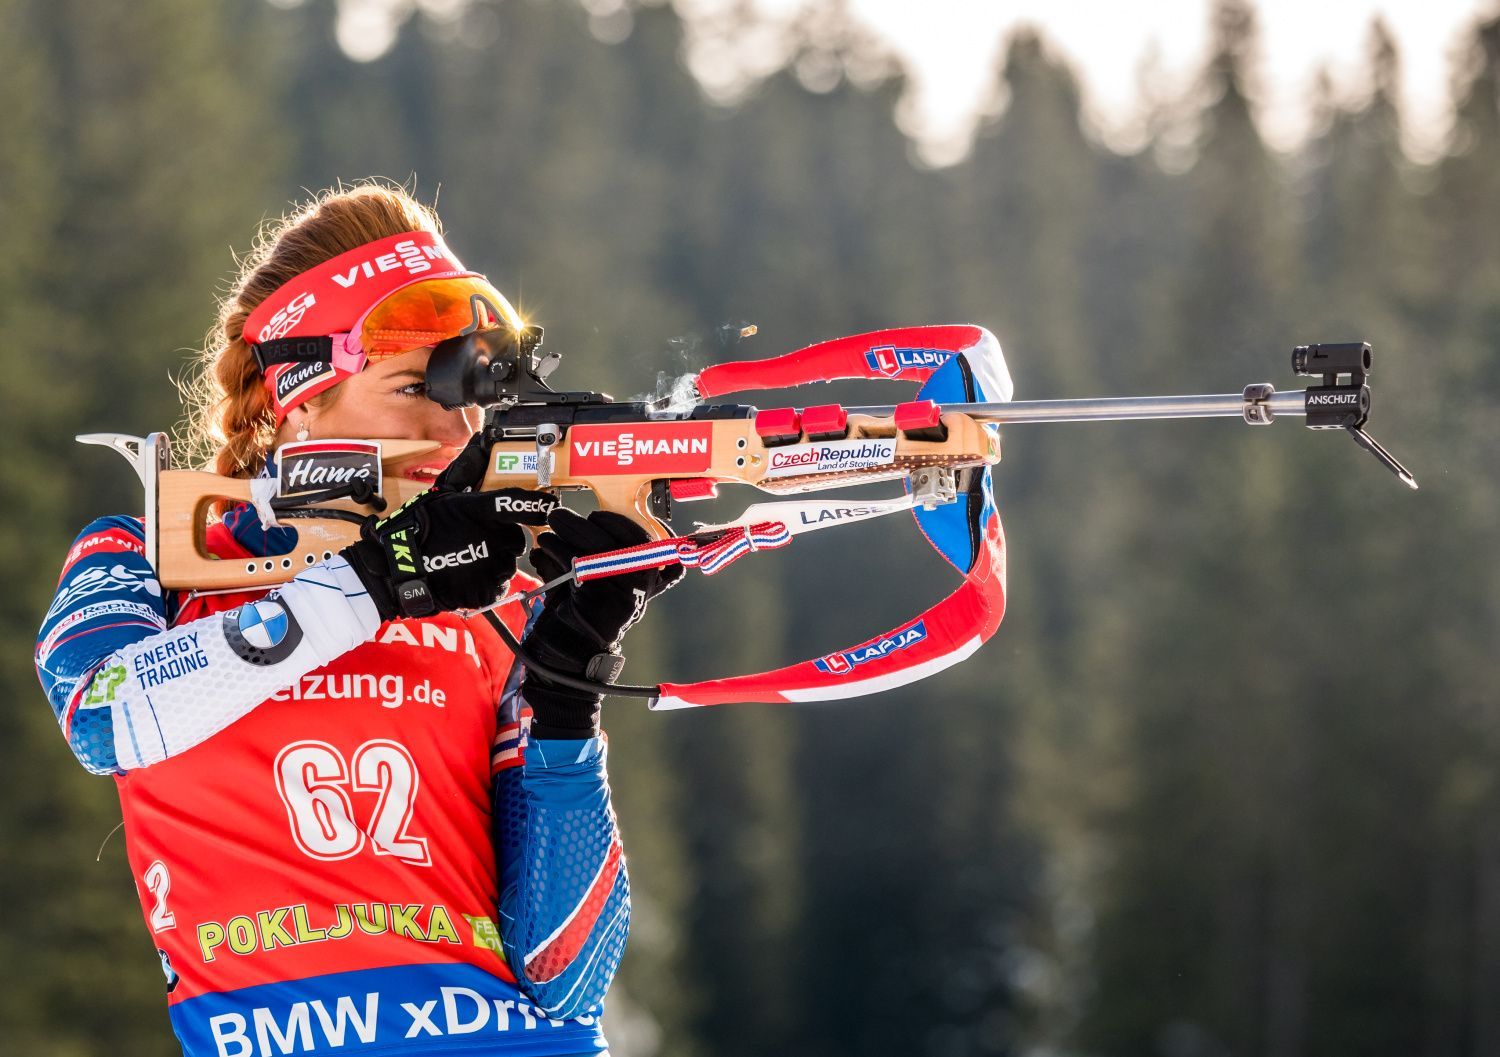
{"x": 644, "y": 447}
{"x": 891, "y": 361}
{"x": 848, "y": 660}
{"x": 469, "y": 555}
{"x": 401, "y": 552}
{"x": 314, "y": 465}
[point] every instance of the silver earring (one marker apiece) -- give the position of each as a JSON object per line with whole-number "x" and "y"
{"x": 302, "y": 433}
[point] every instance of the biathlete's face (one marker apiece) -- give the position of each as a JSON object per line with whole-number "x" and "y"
{"x": 388, "y": 401}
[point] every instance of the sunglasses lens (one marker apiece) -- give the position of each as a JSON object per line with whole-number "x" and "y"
{"x": 426, "y": 313}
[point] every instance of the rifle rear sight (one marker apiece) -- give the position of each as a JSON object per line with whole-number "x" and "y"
{"x": 1343, "y": 400}
{"x": 498, "y": 369}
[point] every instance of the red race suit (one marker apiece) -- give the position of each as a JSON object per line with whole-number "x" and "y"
{"x": 342, "y": 840}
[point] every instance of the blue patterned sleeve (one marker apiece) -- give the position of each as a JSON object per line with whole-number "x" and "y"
{"x": 130, "y": 690}
{"x": 107, "y": 598}
{"x": 564, "y": 893}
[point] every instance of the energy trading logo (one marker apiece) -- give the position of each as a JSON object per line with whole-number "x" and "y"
{"x": 845, "y": 662}
{"x": 890, "y": 360}
{"x": 516, "y": 462}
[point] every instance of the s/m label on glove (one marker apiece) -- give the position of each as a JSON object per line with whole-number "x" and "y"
{"x": 445, "y": 550}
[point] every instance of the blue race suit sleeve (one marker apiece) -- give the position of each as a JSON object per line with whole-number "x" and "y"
{"x": 129, "y": 690}
{"x": 564, "y": 893}
{"x": 108, "y": 598}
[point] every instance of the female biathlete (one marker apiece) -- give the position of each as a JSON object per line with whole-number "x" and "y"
{"x": 355, "y": 825}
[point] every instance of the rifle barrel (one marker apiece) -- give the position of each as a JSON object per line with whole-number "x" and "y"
{"x": 1107, "y": 409}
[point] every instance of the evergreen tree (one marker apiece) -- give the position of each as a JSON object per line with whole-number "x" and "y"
{"x": 1200, "y": 933}
{"x": 1451, "y": 412}
{"x": 1224, "y": 782}
{"x": 124, "y": 177}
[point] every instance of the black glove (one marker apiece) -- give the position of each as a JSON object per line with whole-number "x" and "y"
{"x": 582, "y": 621}
{"x": 445, "y": 550}
{"x": 468, "y": 467}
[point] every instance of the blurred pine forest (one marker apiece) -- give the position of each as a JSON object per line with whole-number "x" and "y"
{"x": 1227, "y": 782}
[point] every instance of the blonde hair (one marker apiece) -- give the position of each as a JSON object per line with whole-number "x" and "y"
{"x": 230, "y": 423}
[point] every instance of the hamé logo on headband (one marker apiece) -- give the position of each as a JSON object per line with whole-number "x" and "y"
{"x": 298, "y": 376}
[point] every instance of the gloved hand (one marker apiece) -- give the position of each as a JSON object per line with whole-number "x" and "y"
{"x": 581, "y": 621}
{"x": 445, "y": 550}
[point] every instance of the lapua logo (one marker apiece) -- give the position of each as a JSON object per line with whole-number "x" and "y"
{"x": 642, "y": 447}
{"x": 415, "y": 259}
{"x": 890, "y": 360}
{"x": 848, "y": 660}
{"x": 313, "y": 466}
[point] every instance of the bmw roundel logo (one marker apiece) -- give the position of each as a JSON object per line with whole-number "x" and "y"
{"x": 262, "y": 632}
{"x": 263, "y": 624}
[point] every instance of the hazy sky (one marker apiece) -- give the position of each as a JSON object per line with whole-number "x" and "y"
{"x": 950, "y": 47}
{"x": 950, "y": 44}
